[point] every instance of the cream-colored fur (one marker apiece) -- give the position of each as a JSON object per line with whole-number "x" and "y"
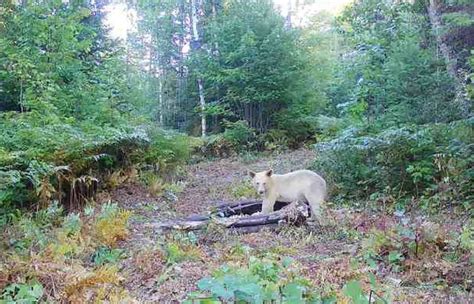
{"x": 298, "y": 185}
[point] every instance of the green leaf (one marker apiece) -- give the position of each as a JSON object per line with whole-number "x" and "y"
{"x": 293, "y": 293}
{"x": 287, "y": 261}
{"x": 354, "y": 291}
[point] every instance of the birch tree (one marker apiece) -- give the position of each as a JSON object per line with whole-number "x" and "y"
{"x": 197, "y": 46}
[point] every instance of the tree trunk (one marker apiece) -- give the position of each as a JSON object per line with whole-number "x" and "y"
{"x": 180, "y": 76}
{"x": 288, "y": 21}
{"x": 215, "y": 51}
{"x": 160, "y": 99}
{"x": 449, "y": 58}
{"x": 202, "y": 100}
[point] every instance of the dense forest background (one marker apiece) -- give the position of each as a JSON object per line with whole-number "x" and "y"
{"x": 382, "y": 91}
{"x": 243, "y": 76}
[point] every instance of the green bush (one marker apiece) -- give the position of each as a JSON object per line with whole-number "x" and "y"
{"x": 329, "y": 127}
{"x": 239, "y": 135}
{"x": 166, "y": 150}
{"x": 22, "y": 293}
{"x": 299, "y": 126}
{"x": 105, "y": 255}
{"x": 275, "y": 139}
{"x": 36, "y": 159}
{"x": 236, "y": 138}
{"x": 405, "y": 161}
{"x": 263, "y": 279}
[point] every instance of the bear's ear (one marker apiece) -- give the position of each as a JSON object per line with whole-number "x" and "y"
{"x": 269, "y": 172}
{"x": 251, "y": 173}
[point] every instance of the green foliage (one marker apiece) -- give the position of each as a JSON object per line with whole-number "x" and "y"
{"x": 67, "y": 111}
{"x": 238, "y": 134}
{"x": 392, "y": 76}
{"x": 261, "y": 280}
{"x": 72, "y": 224}
{"x": 57, "y": 70}
{"x": 260, "y": 68}
{"x": 458, "y": 19}
{"x": 237, "y": 137}
{"x": 167, "y": 150}
{"x": 32, "y": 229}
{"x": 354, "y": 291}
{"x": 275, "y": 139}
{"x": 243, "y": 190}
{"x": 22, "y": 293}
{"x": 330, "y": 127}
{"x": 104, "y": 255}
{"x": 428, "y": 97}
{"x": 466, "y": 237}
{"x": 179, "y": 251}
{"x": 404, "y": 160}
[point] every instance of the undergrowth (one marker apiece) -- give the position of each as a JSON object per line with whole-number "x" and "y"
{"x": 50, "y": 257}
{"x": 274, "y": 278}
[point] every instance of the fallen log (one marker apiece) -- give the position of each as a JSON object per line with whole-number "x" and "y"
{"x": 245, "y": 207}
{"x": 293, "y": 213}
{"x": 244, "y": 216}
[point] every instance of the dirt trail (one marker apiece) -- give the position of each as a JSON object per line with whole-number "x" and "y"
{"x": 206, "y": 184}
{"x": 324, "y": 255}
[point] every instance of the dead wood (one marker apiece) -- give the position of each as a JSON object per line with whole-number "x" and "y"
{"x": 244, "y": 217}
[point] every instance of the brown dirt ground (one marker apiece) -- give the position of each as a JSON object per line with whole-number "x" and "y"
{"x": 324, "y": 254}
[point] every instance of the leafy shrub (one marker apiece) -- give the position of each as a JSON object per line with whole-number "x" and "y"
{"x": 111, "y": 225}
{"x": 238, "y": 133}
{"x": 217, "y": 145}
{"x": 298, "y": 126}
{"x": 72, "y": 223}
{"x": 405, "y": 161}
{"x": 61, "y": 155}
{"x": 466, "y": 237}
{"x": 181, "y": 251}
{"x": 275, "y": 139}
{"x": 260, "y": 280}
{"x": 105, "y": 255}
{"x": 236, "y": 138}
{"x": 67, "y": 248}
{"x": 167, "y": 150}
{"x": 243, "y": 190}
{"x": 329, "y": 127}
{"x": 153, "y": 182}
{"x": 22, "y": 293}
{"x": 354, "y": 291}
{"x": 31, "y": 230}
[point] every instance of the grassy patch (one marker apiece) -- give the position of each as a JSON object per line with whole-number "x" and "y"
{"x": 243, "y": 190}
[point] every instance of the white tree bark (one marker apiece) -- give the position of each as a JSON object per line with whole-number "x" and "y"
{"x": 202, "y": 101}
{"x": 215, "y": 52}
{"x": 160, "y": 98}
{"x": 289, "y": 22}
{"x": 203, "y": 107}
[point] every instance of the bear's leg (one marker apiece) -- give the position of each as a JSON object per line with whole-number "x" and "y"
{"x": 315, "y": 200}
{"x": 267, "y": 206}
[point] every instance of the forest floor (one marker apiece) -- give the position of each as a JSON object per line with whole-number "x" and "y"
{"x": 328, "y": 256}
